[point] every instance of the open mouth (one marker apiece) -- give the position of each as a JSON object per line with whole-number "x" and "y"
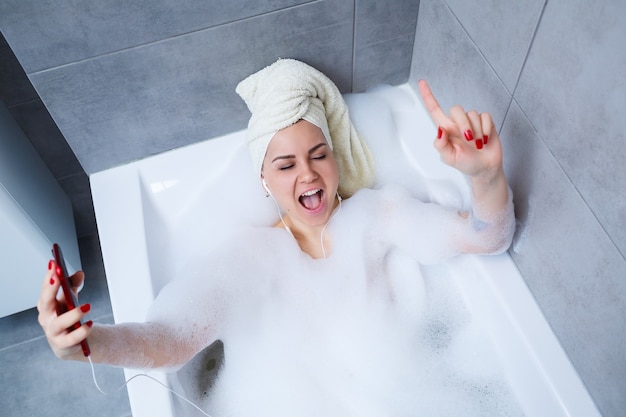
{"x": 312, "y": 199}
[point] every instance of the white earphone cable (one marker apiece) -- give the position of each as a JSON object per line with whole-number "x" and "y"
{"x": 324, "y": 228}
{"x": 182, "y": 397}
{"x": 280, "y": 214}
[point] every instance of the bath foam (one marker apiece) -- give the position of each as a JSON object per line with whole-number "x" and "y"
{"x": 368, "y": 331}
{"x": 166, "y": 205}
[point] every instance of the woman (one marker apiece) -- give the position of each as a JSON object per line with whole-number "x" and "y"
{"x": 309, "y": 160}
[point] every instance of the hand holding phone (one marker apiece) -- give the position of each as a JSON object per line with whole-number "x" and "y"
{"x": 70, "y": 297}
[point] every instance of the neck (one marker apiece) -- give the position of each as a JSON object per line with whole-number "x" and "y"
{"x": 312, "y": 239}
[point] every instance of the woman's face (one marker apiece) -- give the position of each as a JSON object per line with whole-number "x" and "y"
{"x": 301, "y": 173}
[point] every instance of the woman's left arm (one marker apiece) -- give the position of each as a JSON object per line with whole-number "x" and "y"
{"x": 469, "y": 142}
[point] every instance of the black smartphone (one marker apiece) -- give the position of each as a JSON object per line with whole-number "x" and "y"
{"x": 70, "y": 297}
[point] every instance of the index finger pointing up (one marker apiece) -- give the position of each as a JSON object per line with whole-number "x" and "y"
{"x": 433, "y": 107}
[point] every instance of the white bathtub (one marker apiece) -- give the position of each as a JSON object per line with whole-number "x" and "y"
{"x": 143, "y": 211}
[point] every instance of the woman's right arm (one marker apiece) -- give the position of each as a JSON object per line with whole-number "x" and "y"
{"x": 132, "y": 345}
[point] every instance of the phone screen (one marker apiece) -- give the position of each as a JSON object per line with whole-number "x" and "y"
{"x": 70, "y": 297}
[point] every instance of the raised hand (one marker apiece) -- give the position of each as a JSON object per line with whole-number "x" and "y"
{"x": 467, "y": 141}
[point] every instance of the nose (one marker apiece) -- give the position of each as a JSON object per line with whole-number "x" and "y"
{"x": 307, "y": 173}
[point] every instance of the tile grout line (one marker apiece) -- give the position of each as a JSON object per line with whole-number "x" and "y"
{"x": 552, "y": 155}
{"x": 22, "y": 343}
{"x": 523, "y": 66}
{"x": 482, "y": 55}
{"x": 180, "y": 35}
{"x": 43, "y": 336}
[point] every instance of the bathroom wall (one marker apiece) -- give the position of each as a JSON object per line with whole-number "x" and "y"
{"x": 33, "y": 379}
{"x": 26, "y": 107}
{"x": 552, "y": 73}
{"x": 124, "y": 80}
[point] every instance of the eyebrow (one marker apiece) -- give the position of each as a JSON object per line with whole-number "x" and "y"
{"x": 312, "y": 150}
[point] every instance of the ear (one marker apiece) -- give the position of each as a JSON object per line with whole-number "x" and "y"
{"x": 267, "y": 189}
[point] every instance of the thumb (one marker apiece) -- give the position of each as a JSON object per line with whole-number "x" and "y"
{"x": 442, "y": 142}
{"x": 76, "y": 281}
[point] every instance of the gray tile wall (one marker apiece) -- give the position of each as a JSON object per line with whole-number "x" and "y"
{"x": 33, "y": 380}
{"x": 26, "y": 107}
{"x": 552, "y": 73}
{"x": 124, "y": 81}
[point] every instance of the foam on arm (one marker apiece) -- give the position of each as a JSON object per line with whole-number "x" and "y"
{"x": 491, "y": 220}
{"x": 430, "y": 233}
{"x": 185, "y": 317}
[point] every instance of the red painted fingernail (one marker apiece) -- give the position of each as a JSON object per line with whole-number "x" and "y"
{"x": 468, "y": 135}
{"x": 51, "y": 281}
{"x": 50, "y": 263}
{"x": 485, "y": 139}
{"x": 85, "y": 308}
{"x": 439, "y": 133}
{"x": 89, "y": 323}
{"x": 479, "y": 143}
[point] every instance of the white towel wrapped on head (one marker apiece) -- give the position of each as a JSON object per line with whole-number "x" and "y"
{"x": 288, "y": 91}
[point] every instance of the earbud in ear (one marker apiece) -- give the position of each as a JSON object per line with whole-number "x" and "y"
{"x": 267, "y": 189}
